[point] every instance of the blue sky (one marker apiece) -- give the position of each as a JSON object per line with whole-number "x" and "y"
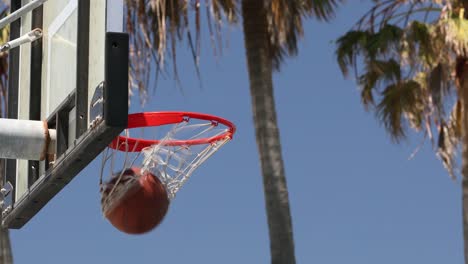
{"x": 355, "y": 197}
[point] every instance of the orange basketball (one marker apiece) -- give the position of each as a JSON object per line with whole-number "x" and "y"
{"x": 142, "y": 208}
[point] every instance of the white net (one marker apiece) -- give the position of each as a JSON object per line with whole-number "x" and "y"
{"x": 173, "y": 159}
{"x": 175, "y": 164}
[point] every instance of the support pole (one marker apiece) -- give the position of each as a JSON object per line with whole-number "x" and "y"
{"x": 21, "y": 12}
{"x": 26, "y": 139}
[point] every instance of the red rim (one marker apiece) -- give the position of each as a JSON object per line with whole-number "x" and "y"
{"x": 150, "y": 119}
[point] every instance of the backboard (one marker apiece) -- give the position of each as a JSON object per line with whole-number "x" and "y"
{"x": 76, "y": 79}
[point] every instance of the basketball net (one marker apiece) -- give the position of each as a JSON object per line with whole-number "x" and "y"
{"x": 172, "y": 163}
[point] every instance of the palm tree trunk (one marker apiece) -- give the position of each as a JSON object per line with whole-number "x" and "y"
{"x": 462, "y": 79}
{"x": 267, "y": 133}
{"x": 6, "y": 256}
{"x": 463, "y": 66}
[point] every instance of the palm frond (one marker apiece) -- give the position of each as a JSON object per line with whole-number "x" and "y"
{"x": 156, "y": 26}
{"x": 285, "y": 23}
{"x": 401, "y": 101}
{"x": 349, "y": 46}
{"x": 372, "y": 46}
{"x": 384, "y": 42}
{"x": 455, "y": 31}
{"x": 321, "y": 9}
{"x": 377, "y": 72}
{"x": 429, "y": 55}
{"x": 449, "y": 135}
{"x": 398, "y": 12}
{"x": 418, "y": 46}
{"x": 439, "y": 87}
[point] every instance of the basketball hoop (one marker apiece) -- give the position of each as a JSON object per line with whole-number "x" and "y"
{"x": 187, "y": 139}
{"x": 150, "y": 119}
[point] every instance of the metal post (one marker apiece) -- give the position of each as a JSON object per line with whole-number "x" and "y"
{"x": 21, "y": 12}
{"x": 26, "y": 139}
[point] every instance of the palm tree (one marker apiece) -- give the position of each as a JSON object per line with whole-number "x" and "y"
{"x": 272, "y": 29}
{"x": 461, "y": 71}
{"x": 410, "y": 59}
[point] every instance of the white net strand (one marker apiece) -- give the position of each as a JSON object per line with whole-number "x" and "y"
{"x": 174, "y": 165}
{"x": 118, "y": 190}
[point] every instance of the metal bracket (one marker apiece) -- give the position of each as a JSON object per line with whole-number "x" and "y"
{"x": 26, "y": 38}
{"x": 7, "y": 188}
{"x": 6, "y": 211}
{"x": 97, "y": 105}
{"x": 4, "y": 192}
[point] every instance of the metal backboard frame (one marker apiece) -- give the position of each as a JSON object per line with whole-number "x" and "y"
{"x": 75, "y": 78}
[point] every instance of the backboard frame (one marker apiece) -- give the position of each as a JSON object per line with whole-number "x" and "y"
{"x": 90, "y": 137}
